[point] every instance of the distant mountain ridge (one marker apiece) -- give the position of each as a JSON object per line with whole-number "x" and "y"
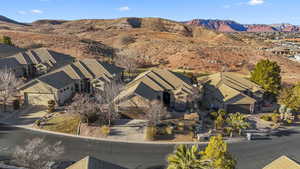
{"x": 232, "y": 26}
{"x": 7, "y": 20}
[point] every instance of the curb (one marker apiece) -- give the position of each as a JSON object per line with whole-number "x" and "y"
{"x": 113, "y": 140}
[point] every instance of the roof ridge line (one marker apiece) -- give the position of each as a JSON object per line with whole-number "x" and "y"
{"x": 165, "y": 79}
{"x": 87, "y": 69}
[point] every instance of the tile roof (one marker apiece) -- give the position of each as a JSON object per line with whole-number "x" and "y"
{"x": 36, "y": 56}
{"x": 78, "y": 70}
{"x": 93, "y": 163}
{"x": 57, "y": 80}
{"x": 231, "y": 88}
{"x": 161, "y": 79}
{"x": 283, "y": 162}
{"x": 140, "y": 89}
{"x": 6, "y": 50}
{"x": 148, "y": 83}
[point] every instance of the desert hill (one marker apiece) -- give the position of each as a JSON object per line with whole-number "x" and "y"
{"x": 153, "y": 41}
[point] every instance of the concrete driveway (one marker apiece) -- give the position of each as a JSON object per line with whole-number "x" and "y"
{"x": 24, "y": 117}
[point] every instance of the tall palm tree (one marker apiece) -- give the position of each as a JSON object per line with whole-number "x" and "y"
{"x": 185, "y": 157}
{"x": 238, "y": 122}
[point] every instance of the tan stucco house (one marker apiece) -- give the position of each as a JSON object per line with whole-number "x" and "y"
{"x": 33, "y": 63}
{"x": 60, "y": 85}
{"x": 172, "y": 89}
{"x": 232, "y": 92}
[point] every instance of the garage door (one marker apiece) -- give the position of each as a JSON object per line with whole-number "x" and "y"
{"x": 39, "y": 99}
{"x": 242, "y": 108}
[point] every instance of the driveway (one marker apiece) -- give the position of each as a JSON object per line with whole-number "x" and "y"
{"x": 25, "y": 117}
{"x": 250, "y": 155}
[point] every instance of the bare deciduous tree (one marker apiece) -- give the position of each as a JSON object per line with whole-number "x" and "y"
{"x": 155, "y": 113}
{"x": 8, "y": 86}
{"x": 82, "y": 105}
{"x": 106, "y": 101}
{"x": 37, "y": 153}
{"x": 128, "y": 60}
{"x": 194, "y": 99}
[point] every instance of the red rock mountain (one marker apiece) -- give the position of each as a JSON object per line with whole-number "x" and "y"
{"x": 232, "y": 26}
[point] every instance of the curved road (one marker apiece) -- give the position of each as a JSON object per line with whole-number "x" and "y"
{"x": 250, "y": 155}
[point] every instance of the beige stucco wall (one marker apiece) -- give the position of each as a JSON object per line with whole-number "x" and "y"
{"x": 62, "y": 95}
{"x": 39, "y": 98}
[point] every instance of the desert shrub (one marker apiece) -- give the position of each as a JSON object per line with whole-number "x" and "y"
{"x": 38, "y": 122}
{"x": 51, "y": 106}
{"x": 192, "y": 134}
{"x": 169, "y": 130}
{"x": 289, "y": 121}
{"x": 6, "y": 40}
{"x": 160, "y": 131}
{"x": 265, "y": 117}
{"x": 150, "y": 133}
{"x": 180, "y": 126}
{"x": 126, "y": 40}
{"x": 105, "y": 130}
{"x": 275, "y": 118}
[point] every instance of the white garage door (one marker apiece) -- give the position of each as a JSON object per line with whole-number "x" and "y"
{"x": 39, "y": 99}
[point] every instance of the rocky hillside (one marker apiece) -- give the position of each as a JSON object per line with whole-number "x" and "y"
{"x": 152, "y": 41}
{"x": 232, "y": 26}
{"x": 218, "y": 25}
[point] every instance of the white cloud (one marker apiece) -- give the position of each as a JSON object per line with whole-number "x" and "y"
{"x": 256, "y": 2}
{"x": 124, "y": 8}
{"x": 36, "y": 11}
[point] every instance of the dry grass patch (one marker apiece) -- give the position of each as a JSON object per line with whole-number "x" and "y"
{"x": 63, "y": 123}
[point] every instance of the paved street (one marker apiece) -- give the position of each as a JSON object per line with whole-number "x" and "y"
{"x": 250, "y": 155}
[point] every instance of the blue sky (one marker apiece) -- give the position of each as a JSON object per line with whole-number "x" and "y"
{"x": 243, "y": 11}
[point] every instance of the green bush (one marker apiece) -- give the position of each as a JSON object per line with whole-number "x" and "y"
{"x": 83, "y": 119}
{"x": 150, "y": 133}
{"x": 92, "y": 117}
{"x": 275, "y": 118}
{"x": 89, "y": 118}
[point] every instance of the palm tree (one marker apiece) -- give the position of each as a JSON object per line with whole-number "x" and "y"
{"x": 218, "y": 113}
{"x": 185, "y": 157}
{"x": 238, "y": 122}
